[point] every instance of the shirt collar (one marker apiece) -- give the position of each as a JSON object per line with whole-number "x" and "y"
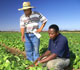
{"x": 57, "y": 38}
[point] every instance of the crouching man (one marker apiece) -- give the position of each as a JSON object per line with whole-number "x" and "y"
{"x": 57, "y": 55}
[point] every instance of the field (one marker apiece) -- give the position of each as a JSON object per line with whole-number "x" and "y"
{"x": 9, "y": 61}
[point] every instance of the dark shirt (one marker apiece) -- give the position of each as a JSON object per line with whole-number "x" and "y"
{"x": 59, "y": 46}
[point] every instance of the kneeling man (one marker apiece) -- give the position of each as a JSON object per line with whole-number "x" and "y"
{"x": 57, "y": 56}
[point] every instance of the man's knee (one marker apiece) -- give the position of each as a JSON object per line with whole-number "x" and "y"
{"x": 57, "y": 64}
{"x": 54, "y": 66}
{"x": 50, "y": 64}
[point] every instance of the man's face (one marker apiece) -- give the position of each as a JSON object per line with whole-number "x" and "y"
{"x": 27, "y": 12}
{"x": 52, "y": 33}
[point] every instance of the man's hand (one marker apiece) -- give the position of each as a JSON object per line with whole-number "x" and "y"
{"x": 36, "y": 64}
{"x": 39, "y": 58}
{"x": 23, "y": 38}
{"x": 40, "y": 29}
{"x": 29, "y": 66}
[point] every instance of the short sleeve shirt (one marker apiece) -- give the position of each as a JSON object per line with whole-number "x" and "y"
{"x": 32, "y": 22}
{"x": 59, "y": 46}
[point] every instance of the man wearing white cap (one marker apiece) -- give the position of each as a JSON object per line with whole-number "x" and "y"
{"x": 29, "y": 22}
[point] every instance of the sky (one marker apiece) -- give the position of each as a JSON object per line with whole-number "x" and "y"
{"x": 64, "y": 13}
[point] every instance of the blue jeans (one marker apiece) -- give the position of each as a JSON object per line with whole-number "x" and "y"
{"x": 31, "y": 46}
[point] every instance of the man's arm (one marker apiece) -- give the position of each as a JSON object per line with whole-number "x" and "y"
{"x": 22, "y": 27}
{"x": 43, "y": 20}
{"x": 45, "y": 54}
{"x": 22, "y": 35}
{"x": 42, "y": 26}
{"x": 22, "y": 31}
{"x": 52, "y": 56}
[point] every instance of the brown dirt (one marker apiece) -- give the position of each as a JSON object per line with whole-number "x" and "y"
{"x": 14, "y": 51}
